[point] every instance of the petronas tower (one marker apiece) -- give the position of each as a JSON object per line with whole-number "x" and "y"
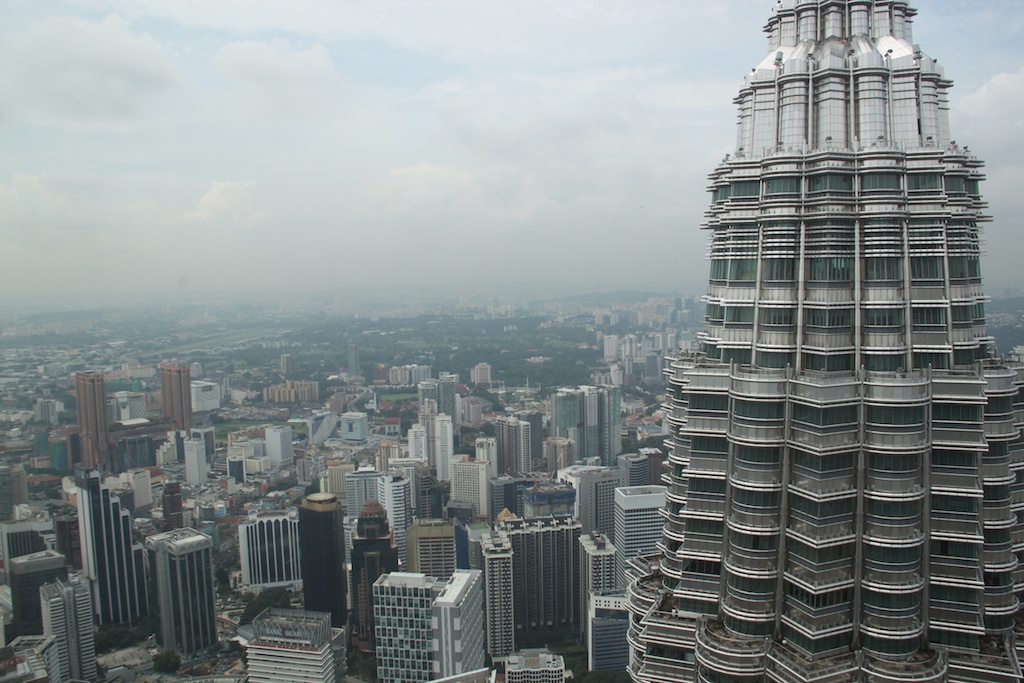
{"x": 846, "y": 483}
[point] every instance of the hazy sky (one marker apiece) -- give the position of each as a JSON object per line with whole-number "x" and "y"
{"x": 188, "y": 146}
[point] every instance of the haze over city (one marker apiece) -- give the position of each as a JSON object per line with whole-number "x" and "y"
{"x": 188, "y": 149}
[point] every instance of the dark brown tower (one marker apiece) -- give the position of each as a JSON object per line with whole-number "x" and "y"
{"x": 91, "y": 395}
{"x": 373, "y": 554}
{"x": 176, "y": 394}
{"x": 173, "y": 516}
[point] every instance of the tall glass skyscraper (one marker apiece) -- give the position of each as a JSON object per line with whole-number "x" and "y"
{"x": 846, "y": 466}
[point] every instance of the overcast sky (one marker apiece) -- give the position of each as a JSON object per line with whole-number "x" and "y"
{"x": 187, "y": 147}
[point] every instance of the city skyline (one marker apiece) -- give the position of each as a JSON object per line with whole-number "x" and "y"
{"x": 135, "y": 130}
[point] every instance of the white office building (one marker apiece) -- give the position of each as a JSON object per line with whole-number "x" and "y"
{"x": 638, "y": 524}
{"x": 268, "y": 548}
{"x": 279, "y": 445}
{"x": 469, "y": 484}
{"x": 458, "y": 623}
{"x": 196, "y": 466}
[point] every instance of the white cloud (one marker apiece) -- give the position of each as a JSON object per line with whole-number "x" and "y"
{"x": 227, "y": 203}
{"x": 275, "y": 76}
{"x": 87, "y": 74}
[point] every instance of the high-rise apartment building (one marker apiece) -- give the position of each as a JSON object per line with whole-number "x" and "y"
{"x": 597, "y": 571}
{"x": 417, "y": 438}
{"x": 322, "y": 553}
{"x": 67, "y": 617}
{"x": 637, "y": 525}
{"x": 183, "y": 566}
{"x": 499, "y": 600}
{"x": 480, "y": 374}
{"x": 402, "y": 605}
{"x": 111, "y": 560}
{"x": 443, "y": 447}
{"x": 513, "y": 441}
{"x": 845, "y": 447}
{"x": 26, "y": 575}
{"x": 91, "y": 399}
{"x": 176, "y": 394}
{"x": 448, "y": 398}
{"x": 360, "y": 486}
{"x": 487, "y": 451}
{"x": 545, "y": 571}
{"x": 268, "y": 549}
{"x": 394, "y": 491}
{"x": 291, "y": 646}
{"x": 458, "y": 624}
{"x": 373, "y": 554}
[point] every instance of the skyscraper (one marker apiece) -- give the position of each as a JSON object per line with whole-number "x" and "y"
{"x": 111, "y": 560}
{"x": 176, "y": 395}
{"x": 322, "y": 549}
{"x": 844, "y": 449}
{"x": 67, "y": 617}
{"x": 590, "y": 416}
{"x": 196, "y": 466}
{"x": 444, "y": 446}
{"x": 373, "y": 554}
{"x": 499, "y": 600}
{"x": 91, "y": 397}
{"x": 183, "y": 563}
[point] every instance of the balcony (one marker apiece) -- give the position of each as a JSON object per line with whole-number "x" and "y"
{"x": 924, "y": 666}
{"x": 727, "y": 654}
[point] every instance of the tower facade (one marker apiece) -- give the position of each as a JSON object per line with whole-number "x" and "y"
{"x": 111, "y": 560}
{"x": 268, "y": 548}
{"x": 842, "y": 477}
{"x": 183, "y": 563}
{"x": 91, "y": 397}
{"x": 176, "y": 394}
{"x": 322, "y": 549}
